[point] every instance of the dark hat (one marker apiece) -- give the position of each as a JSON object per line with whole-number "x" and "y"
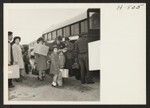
{"x": 10, "y": 33}
{"x": 40, "y": 39}
{"x": 17, "y": 37}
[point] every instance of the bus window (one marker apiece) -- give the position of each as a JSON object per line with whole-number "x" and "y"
{"x": 53, "y": 35}
{"x": 93, "y": 25}
{"x": 59, "y": 32}
{"x": 75, "y": 29}
{"x": 49, "y": 36}
{"x": 94, "y": 22}
{"x": 84, "y": 27}
{"x": 45, "y": 37}
{"x": 66, "y": 31}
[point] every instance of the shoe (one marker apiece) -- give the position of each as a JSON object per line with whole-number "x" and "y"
{"x": 54, "y": 84}
{"x": 11, "y": 86}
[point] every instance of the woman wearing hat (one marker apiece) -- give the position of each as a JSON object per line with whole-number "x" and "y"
{"x": 17, "y": 54}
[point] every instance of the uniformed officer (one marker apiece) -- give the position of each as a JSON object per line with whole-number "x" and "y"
{"x": 81, "y": 50}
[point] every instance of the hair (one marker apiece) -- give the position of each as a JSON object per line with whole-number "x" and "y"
{"x": 40, "y": 39}
{"x": 10, "y": 33}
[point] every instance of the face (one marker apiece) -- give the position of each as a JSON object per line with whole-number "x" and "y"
{"x": 55, "y": 50}
{"x": 17, "y": 41}
{"x": 10, "y": 37}
{"x": 41, "y": 42}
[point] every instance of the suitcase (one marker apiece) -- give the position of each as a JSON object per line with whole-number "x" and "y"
{"x": 13, "y": 72}
{"x": 65, "y": 73}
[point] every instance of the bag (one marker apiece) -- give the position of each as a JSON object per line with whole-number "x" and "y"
{"x": 13, "y": 71}
{"x": 65, "y": 73}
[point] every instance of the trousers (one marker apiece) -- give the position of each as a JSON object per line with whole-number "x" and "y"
{"x": 58, "y": 79}
{"x": 86, "y": 75}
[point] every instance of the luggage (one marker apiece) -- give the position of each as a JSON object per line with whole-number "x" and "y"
{"x": 13, "y": 72}
{"x": 65, "y": 73}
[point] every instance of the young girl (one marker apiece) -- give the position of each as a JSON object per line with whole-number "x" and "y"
{"x": 55, "y": 68}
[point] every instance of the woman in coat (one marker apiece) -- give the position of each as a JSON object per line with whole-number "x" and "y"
{"x": 41, "y": 61}
{"x": 17, "y": 55}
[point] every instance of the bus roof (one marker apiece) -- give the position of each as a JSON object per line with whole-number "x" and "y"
{"x": 67, "y": 22}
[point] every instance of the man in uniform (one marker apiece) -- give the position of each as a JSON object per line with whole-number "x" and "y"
{"x": 81, "y": 52}
{"x": 10, "y": 56}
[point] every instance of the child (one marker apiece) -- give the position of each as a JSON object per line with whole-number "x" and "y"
{"x": 55, "y": 68}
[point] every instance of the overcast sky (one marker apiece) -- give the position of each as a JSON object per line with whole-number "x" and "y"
{"x": 30, "y": 23}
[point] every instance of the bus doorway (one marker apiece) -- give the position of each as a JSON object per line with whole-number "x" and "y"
{"x": 93, "y": 18}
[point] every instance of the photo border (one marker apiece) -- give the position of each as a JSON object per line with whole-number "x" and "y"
{"x": 79, "y": 1}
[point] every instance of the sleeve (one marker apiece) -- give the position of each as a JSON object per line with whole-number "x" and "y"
{"x": 15, "y": 53}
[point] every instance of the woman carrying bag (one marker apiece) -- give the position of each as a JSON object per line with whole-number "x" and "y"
{"x": 17, "y": 56}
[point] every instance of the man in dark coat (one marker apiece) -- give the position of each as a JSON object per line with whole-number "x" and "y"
{"x": 69, "y": 55}
{"x": 81, "y": 52}
{"x": 10, "y": 56}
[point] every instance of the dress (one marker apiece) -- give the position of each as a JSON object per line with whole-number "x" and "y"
{"x": 41, "y": 62}
{"x": 17, "y": 55}
{"x": 54, "y": 64}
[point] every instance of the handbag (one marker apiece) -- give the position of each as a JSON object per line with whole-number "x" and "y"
{"x": 64, "y": 73}
{"x": 13, "y": 72}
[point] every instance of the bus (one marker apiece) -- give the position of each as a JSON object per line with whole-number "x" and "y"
{"x": 88, "y": 22}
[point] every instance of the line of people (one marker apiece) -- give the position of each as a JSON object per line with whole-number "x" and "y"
{"x": 68, "y": 55}
{"x": 15, "y": 56}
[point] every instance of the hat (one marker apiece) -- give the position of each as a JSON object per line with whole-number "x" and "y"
{"x": 17, "y": 37}
{"x": 10, "y": 33}
{"x": 40, "y": 39}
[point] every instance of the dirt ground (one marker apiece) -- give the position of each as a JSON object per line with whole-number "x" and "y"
{"x": 35, "y": 90}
